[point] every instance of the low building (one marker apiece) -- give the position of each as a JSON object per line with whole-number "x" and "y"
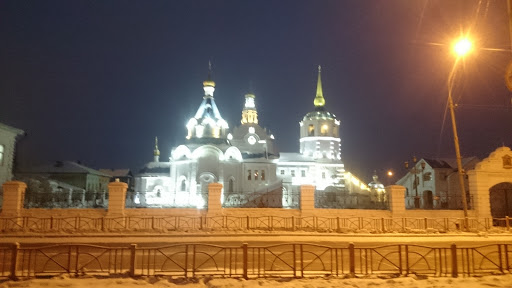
{"x": 434, "y": 184}
{"x": 8, "y": 136}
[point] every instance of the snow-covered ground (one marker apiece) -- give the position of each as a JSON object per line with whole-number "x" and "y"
{"x": 409, "y": 282}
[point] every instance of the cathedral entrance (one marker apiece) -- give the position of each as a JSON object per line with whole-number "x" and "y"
{"x": 500, "y": 196}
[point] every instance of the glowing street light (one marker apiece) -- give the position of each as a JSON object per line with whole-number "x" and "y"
{"x": 461, "y": 48}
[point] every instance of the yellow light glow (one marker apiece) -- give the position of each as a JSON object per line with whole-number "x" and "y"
{"x": 462, "y": 47}
{"x": 390, "y": 173}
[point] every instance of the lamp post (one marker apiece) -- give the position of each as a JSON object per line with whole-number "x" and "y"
{"x": 461, "y": 48}
{"x": 415, "y": 170}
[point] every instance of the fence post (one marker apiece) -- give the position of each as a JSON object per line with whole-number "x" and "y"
{"x": 455, "y": 272}
{"x": 426, "y": 223}
{"x": 133, "y": 249}
{"x": 501, "y": 258}
{"x": 248, "y": 222}
{"x": 245, "y": 260}
{"x": 507, "y": 223}
{"x": 352, "y": 259}
{"x": 14, "y": 260}
{"x": 293, "y": 223}
{"x": 338, "y": 226}
{"x": 383, "y": 225}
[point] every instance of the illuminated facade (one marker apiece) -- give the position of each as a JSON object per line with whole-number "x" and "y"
{"x": 8, "y": 137}
{"x": 246, "y": 161}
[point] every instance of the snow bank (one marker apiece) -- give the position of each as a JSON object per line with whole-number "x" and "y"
{"x": 370, "y": 282}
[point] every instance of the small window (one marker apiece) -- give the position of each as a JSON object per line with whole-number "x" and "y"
{"x": 427, "y": 176}
{"x": 293, "y": 173}
{"x": 183, "y": 185}
{"x": 249, "y": 175}
{"x": 1, "y": 155}
{"x": 311, "y": 130}
{"x": 256, "y": 174}
{"x": 303, "y": 173}
{"x": 323, "y": 175}
{"x": 282, "y": 172}
{"x": 324, "y": 129}
{"x": 262, "y": 174}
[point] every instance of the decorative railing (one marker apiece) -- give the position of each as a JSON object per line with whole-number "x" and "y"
{"x": 437, "y": 203}
{"x": 281, "y": 260}
{"x": 265, "y": 199}
{"x": 337, "y": 200}
{"x": 161, "y": 224}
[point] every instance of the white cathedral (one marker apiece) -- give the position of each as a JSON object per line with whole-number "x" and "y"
{"x": 246, "y": 161}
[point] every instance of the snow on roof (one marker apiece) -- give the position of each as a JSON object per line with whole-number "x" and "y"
{"x": 11, "y": 129}
{"x": 117, "y": 172}
{"x": 156, "y": 168}
{"x": 65, "y": 167}
{"x": 294, "y": 157}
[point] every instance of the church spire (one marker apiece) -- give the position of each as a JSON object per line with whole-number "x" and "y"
{"x": 249, "y": 113}
{"x": 156, "y": 152}
{"x": 319, "y": 99}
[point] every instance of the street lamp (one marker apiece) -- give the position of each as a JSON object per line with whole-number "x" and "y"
{"x": 414, "y": 170}
{"x": 461, "y": 48}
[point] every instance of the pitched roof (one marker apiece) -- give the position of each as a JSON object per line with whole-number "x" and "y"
{"x": 434, "y": 163}
{"x": 11, "y": 129}
{"x": 65, "y": 167}
{"x": 117, "y": 172}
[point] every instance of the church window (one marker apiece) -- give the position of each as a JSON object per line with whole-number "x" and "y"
{"x": 303, "y": 173}
{"x": 230, "y": 186}
{"x": 1, "y": 154}
{"x": 293, "y": 173}
{"x": 183, "y": 185}
{"x": 323, "y": 175}
{"x": 262, "y": 174}
{"x": 282, "y": 172}
{"x": 249, "y": 176}
{"x": 507, "y": 162}
{"x": 311, "y": 130}
{"x": 324, "y": 129}
{"x": 427, "y": 176}
{"x": 256, "y": 174}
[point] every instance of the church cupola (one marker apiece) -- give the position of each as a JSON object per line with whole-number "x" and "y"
{"x": 156, "y": 152}
{"x": 249, "y": 113}
{"x": 319, "y": 130}
{"x": 207, "y": 122}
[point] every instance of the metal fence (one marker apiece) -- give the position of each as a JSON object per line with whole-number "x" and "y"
{"x": 249, "y": 223}
{"x": 437, "y": 203}
{"x": 337, "y": 200}
{"x": 280, "y": 260}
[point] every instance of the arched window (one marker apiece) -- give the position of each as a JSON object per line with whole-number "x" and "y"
{"x": 311, "y": 130}
{"x": 183, "y": 185}
{"x": 1, "y": 154}
{"x": 230, "y": 185}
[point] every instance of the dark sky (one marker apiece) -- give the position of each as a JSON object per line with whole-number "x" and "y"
{"x": 96, "y": 81}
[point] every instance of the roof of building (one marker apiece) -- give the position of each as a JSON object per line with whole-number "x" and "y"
{"x": 434, "y": 163}
{"x": 65, "y": 167}
{"x": 117, "y": 172}
{"x": 11, "y": 129}
{"x": 156, "y": 168}
{"x": 294, "y": 157}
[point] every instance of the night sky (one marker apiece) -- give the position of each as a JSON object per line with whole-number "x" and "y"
{"x": 96, "y": 81}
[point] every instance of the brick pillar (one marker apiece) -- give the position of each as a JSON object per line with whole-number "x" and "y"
{"x": 117, "y": 197}
{"x": 479, "y": 190}
{"x": 396, "y": 195}
{"x": 14, "y": 195}
{"x": 307, "y": 199}
{"x": 214, "y": 195}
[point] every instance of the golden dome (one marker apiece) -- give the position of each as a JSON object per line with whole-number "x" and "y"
{"x": 209, "y": 83}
